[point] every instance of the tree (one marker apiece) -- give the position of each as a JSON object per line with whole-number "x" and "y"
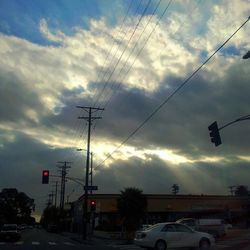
{"x": 241, "y": 190}
{"x": 51, "y": 215}
{"x": 131, "y": 205}
{"x": 175, "y": 189}
{"x": 15, "y": 207}
{"x": 55, "y": 216}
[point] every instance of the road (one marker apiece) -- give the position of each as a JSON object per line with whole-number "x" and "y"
{"x": 39, "y": 239}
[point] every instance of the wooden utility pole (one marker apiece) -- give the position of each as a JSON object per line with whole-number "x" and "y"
{"x": 89, "y": 118}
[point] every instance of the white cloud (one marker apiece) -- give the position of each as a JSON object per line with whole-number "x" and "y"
{"x": 77, "y": 59}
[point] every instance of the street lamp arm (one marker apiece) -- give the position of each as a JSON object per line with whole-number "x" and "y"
{"x": 243, "y": 118}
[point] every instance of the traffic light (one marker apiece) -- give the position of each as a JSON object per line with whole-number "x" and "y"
{"x": 247, "y": 55}
{"x": 45, "y": 177}
{"x": 215, "y": 134}
{"x": 92, "y": 205}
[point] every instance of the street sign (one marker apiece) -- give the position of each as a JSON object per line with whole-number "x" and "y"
{"x": 91, "y": 188}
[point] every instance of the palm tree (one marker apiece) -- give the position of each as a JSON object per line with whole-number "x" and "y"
{"x": 131, "y": 205}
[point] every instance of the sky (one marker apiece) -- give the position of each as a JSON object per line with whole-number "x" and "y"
{"x": 127, "y": 57}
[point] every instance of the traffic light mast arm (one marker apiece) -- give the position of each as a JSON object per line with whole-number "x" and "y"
{"x": 243, "y": 118}
{"x": 77, "y": 180}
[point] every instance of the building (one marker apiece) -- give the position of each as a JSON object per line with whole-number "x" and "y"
{"x": 166, "y": 207}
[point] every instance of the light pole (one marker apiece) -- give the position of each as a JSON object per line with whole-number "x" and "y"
{"x": 86, "y": 188}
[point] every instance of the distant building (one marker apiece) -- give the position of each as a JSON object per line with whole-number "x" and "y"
{"x": 167, "y": 207}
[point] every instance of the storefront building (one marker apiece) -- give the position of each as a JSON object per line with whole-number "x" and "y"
{"x": 162, "y": 208}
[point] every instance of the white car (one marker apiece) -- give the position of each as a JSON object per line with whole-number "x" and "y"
{"x": 162, "y": 236}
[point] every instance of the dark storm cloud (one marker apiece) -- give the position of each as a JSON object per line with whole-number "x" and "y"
{"x": 155, "y": 176}
{"x": 22, "y": 160}
{"x": 16, "y": 97}
{"x": 182, "y": 123}
{"x": 66, "y": 113}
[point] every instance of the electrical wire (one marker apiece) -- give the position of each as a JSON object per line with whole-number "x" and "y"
{"x": 137, "y": 42}
{"x": 171, "y": 95}
{"x": 79, "y": 126}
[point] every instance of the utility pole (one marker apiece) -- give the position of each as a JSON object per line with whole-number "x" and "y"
{"x": 89, "y": 118}
{"x": 51, "y": 195}
{"x": 91, "y": 172}
{"x": 50, "y": 199}
{"x": 56, "y": 184}
{"x": 63, "y": 175}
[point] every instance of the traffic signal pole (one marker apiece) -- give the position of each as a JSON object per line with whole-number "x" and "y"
{"x": 215, "y": 135}
{"x": 243, "y": 118}
{"x": 89, "y": 118}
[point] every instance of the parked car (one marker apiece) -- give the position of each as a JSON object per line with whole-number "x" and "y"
{"x": 52, "y": 228}
{"x": 10, "y": 232}
{"x": 22, "y": 227}
{"x": 162, "y": 236}
{"x": 145, "y": 226}
{"x": 215, "y": 227}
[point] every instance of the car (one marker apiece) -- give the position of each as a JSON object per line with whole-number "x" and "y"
{"x": 52, "y": 228}
{"x": 10, "y": 232}
{"x": 22, "y": 227}
{"x": 166, "y": 235}
{"x": 145, "y": 226}
{"x": 215, "y": 227}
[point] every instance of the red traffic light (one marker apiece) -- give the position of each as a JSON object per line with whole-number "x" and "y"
{"x": 45, "y": 177}
{"x": 92, "y": 205}
{"x": 45, "y": 173}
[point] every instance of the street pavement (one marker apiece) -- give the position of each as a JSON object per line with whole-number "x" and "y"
{"x": 39, "y": 239}
{"x": 235, "y": 240}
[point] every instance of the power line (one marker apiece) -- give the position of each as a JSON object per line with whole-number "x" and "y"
{"x": 109, "y": 52}
{"x": 172, "y": 95}
{"x": 119, "y": 59}
{"x": 137, "y": 42}
{"x": 79, "y": 126}
{"x": 164, "y": 12}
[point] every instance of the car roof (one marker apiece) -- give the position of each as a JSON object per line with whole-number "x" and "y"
{"x": 166, "y": 223}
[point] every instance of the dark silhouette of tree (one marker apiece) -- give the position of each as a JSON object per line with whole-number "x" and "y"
{"x": 241, "y": 190}
{"x": 51, "y": 215}
{"x": 55, "y": 216}
{"x": 15, "y": 207}
{"x": 131, "y": 205}
{"x": 175, "y": 189}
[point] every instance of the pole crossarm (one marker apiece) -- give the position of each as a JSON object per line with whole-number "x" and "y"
{"x": 93, "y": 118}
{"x": 93, "y": 109}
{"x": 243, "y": 118}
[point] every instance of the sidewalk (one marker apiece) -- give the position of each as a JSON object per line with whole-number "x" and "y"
{"x": 236, "y": 234}
{"x": 236, "y": 239}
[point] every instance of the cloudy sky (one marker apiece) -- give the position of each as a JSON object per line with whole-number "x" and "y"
{"x": 128, "y": 57}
